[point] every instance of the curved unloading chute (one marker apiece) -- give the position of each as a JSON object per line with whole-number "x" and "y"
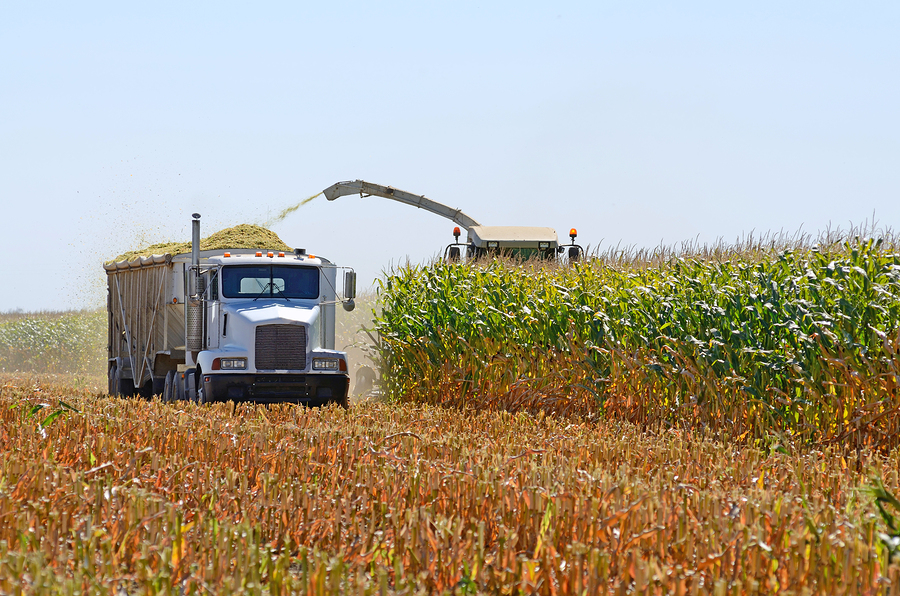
{"x": 364, "y": 188}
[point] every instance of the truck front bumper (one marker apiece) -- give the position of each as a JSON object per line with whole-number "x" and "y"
{"x": 310, "y": 389}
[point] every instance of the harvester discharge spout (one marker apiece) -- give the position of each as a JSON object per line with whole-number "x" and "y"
{"x": 363, "y": 188}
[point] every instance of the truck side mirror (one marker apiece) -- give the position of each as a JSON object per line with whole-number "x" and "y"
{"x": 349, "y": 285}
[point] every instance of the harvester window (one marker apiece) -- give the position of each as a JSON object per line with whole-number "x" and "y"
{"x": 520, "y": 254}
{"x": 252, "y": 281}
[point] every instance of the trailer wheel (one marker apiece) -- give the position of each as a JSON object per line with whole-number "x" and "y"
{"x": 125, "y": 387}
{"x": 119, "y": 387}
{"x": 113, "y": 381}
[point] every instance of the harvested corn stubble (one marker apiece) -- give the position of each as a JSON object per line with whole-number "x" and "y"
{"x": 99, "y": 495}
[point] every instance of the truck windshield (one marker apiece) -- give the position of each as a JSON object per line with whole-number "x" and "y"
{"x": 272, "y": 281}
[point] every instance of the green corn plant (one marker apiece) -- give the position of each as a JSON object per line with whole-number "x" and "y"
{"x": 53, "y": 342}
{"x": 798, "y": 338}
{"x": 889, "y": 509}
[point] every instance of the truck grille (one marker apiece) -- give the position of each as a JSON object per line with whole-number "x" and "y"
{"x": 280, "y": 347}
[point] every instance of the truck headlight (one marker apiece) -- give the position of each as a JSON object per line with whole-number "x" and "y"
{"x": 233, "y": 363}
{"x": 326, "y": 363}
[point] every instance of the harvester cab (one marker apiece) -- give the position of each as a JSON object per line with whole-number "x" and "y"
{"x": 520, "y": 242}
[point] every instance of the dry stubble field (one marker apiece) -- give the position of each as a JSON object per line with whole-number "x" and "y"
{"x": 101, "y": 495}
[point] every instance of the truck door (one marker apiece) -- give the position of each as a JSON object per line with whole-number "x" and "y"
{"x": 212, "y": 308}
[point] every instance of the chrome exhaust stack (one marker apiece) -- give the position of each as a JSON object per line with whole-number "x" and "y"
{"x": 195, "y": 246}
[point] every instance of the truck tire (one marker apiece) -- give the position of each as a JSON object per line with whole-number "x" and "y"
{"x": 119, "y": 387}
{"x": 145, "y": 392}
{"x": 179, "y": 386}
{"x": 190, "y": 386}
{"x": 202, "y": 398}
{"x": 125, "y": 386}
{"x": 168, "y": 395}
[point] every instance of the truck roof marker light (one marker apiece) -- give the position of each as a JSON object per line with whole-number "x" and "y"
{"x": 281, "y": 254}
{"x": 227, "y": 254}
{"x": 259, "y": 254}
{"x": 270, "y": 254}
{"x": 311, "y": 256}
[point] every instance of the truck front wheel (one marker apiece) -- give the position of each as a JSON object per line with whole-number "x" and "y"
{"x": 202, "y": 397}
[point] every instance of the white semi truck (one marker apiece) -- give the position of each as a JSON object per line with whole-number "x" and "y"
{"x": 235, "y": 324}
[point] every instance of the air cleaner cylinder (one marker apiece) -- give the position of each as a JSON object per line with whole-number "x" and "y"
{"x": 193, "y": 337}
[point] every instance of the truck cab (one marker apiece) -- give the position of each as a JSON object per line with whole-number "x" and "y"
{"x": 269, "y": 329}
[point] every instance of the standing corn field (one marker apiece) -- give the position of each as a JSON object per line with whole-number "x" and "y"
{"x": 753, "y": 341}
{"x": 54, "y": 342}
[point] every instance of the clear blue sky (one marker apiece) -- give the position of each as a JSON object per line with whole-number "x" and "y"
{"x": 636, "y": 122}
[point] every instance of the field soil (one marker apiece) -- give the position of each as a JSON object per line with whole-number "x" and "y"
{"x": 102, "y": 495}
